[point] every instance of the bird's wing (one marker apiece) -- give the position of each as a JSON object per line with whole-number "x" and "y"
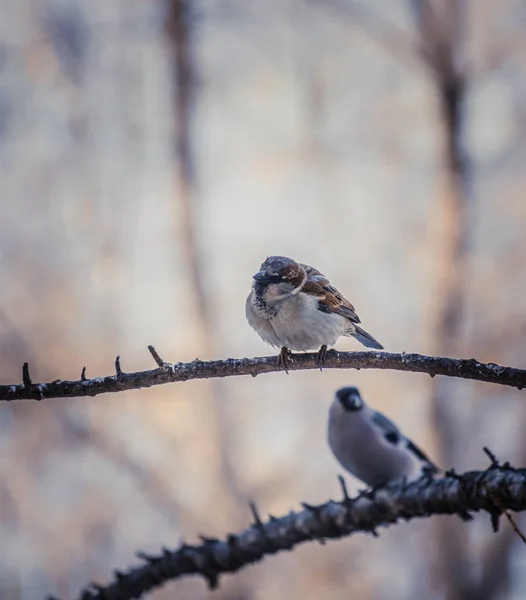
{"x": 389, "y": 430}
{"x": 394, "y": 436}
{"x": 330, "y": 300}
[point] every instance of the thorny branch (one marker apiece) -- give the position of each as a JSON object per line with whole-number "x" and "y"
{"x": 452, "y": 494}
{"x": 230, "y": 367}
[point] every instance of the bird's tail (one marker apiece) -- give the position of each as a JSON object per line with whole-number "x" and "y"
{"x": 366, "y": 338}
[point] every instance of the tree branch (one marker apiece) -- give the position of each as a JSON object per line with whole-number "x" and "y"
{"x": 198, "y": 369}
{"x": 452, "y": 494}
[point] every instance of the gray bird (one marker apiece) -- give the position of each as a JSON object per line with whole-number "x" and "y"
{"x": 293, "y": 306}
{"x": 370, "y": 446}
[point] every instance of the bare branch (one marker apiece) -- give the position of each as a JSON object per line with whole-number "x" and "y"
{"x": 118, "y": 371}
{"x": 160, "y": 362}
{"x": 395, "y": 41}
{"x": 452, "y": 494}
{"x": 230, "y": 367}
{"x": 495, "y": 464}
{"x": 26, "y": 379}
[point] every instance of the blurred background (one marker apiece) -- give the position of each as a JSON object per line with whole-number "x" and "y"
{"x": 152, "y": 154}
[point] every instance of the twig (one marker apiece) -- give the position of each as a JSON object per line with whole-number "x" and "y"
{"x": 496, "y": 465}
{"x": 514, "y": 526}
{"x": 26, "y": 379}
{"x": 365, "y": 512}
{"x": 491, "y": 456}
{"x": 230, "y": 367}
{"x": 396, "y": 42}
{"x": 118, "y": 370}
{"x": 160, "y": 362}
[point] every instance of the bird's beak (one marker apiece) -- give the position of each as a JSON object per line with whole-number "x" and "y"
{"x": 260, "y": 276}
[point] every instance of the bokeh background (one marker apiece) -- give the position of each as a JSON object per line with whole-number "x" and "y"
{"x": 152, "y": 154}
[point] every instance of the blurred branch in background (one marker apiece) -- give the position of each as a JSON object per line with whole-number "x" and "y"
{"x": 117, "y": 224}
{"x": 180, "y": 27}
{"x": 230, "y": 367}
{"x": 151, "y": 483}
{"x": 441, "y": 41}
{"x": 396, "y": 42}
{"x": 493, "y": 490}
{"x": 441, "y": 26}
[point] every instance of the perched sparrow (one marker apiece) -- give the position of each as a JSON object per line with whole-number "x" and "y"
{"x": 370, "y": 446}
{"x": 294, "y": 307}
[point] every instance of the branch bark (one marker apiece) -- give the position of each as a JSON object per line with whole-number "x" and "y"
{"x": 474, "y": 491}
{"x": 230, "y": 367}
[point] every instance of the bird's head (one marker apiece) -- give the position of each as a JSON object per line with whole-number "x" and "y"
{"x": 279, "y": 277}
{"x": 350, "y": 399}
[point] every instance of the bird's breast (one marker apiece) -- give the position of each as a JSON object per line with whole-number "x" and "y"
{"x": 301, "y": 326}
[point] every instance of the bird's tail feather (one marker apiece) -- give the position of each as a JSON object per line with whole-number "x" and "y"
{"x": 366, "y": 338}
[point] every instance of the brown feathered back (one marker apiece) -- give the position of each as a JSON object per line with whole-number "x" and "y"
{"x": 330, "y": 299}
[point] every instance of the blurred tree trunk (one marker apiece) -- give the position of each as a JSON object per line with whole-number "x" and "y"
{"x": 179, "y": 25}
{"x": 442, "y": 26}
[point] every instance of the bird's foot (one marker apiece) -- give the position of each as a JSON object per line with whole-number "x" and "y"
{"x": 284, "y": 359}
{"x": 320, "y": 359}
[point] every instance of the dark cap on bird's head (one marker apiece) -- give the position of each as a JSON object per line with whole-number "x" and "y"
{"x": 277, "y": 269}
{"x": 350, "y": 398}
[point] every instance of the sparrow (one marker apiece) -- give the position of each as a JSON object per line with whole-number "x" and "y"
{"x": 293, "y": 306}
{"x": 371, "y": 447}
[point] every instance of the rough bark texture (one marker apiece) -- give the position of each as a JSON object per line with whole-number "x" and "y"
{"x": 198, "y": 369}
{"x": 493, "y": 490}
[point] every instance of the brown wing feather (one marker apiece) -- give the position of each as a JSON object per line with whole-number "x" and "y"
{"x": 330, "y": 299}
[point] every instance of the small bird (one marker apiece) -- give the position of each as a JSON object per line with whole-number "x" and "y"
{"x": 371, "y": 447}
{"x": 293, "y": 306}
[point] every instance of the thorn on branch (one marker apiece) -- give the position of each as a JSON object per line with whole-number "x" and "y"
{"x": 160, "y": 362}
{"x": 83, "y": 374}
{"x": 259, "y": 525}
{"x": 494, "y": 462}
{"x": 118, "y": 370}
{"x": 346, "y": 497}
{"x": 26, "y": 379}
{"x": 499, "y": 510}
{"x": 453, "y": 474}
{"x": 494, "y": 515}
{"x": 255, "y": 514}
{"x": 515, "y": 526}
{"x": 149, "y": 558}
{"x": 314, "y": 509}
{"x": 208, "y": 540}
{"x": 212, "y": 579}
